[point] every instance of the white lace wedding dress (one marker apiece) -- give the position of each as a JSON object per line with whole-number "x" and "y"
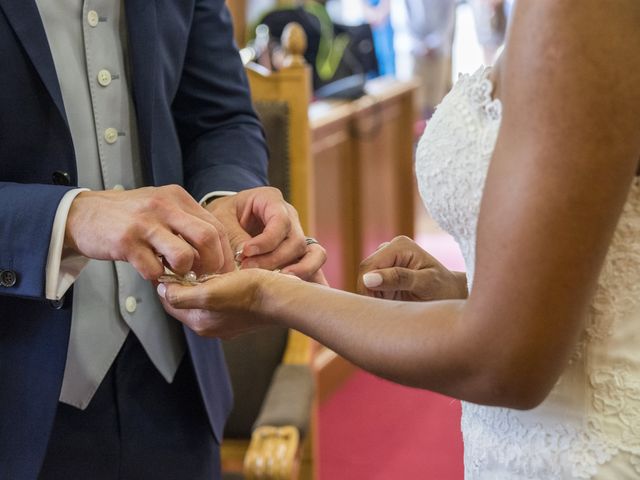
{"x": 589, "y": 425}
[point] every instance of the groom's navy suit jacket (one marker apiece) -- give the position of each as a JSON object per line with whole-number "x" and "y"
{"x": 196, "y": 128}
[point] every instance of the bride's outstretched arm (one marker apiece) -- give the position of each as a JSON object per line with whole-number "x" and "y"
{"x": 560, "y": 174}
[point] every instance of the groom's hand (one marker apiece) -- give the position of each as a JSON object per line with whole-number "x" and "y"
{"x": 265, "y": 231}
{"x": 149, "y": 228}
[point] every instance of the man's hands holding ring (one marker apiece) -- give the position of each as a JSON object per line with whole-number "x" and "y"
{"x": 265, "y": 232}
{"x": 150, "y": 228}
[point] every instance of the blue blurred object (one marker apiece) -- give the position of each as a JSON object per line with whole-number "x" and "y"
{"x": 383, "y": 43}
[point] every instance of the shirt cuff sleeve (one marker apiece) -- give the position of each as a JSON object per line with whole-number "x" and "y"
{"x": 209, "y": 197}
{"x": 62, "y": 271}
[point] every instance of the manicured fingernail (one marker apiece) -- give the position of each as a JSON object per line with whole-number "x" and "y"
{"x": 162, "y": 289}
{"x": 372, "y": 280}
{"x": 251, "y": 251}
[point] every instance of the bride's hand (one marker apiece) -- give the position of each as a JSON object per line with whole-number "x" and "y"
{"x": 225, "y": 306}
{"x": 401, "y": 270}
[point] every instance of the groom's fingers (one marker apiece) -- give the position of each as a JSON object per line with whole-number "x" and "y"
{"x": 309, "y": 264}
{"x": 277, "y": 228}
{"x": 288, "y": 252}
{"x": 237, "y": 239}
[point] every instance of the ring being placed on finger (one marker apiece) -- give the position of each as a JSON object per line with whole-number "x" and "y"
{"x": 311, "y": 241}
{"x": 237, "y": 258}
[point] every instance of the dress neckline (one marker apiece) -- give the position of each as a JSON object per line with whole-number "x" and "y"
{"x": 481, "y": 89}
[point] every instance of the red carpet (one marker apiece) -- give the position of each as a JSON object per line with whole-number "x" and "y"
{"x": 372, "y": 429}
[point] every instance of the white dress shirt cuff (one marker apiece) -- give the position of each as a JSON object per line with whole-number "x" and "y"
{"x": 62, "y": 272}
{"x": 213, "y": 195}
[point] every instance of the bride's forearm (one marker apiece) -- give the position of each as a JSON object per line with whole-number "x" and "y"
{"x": 482, "y": 351}
{"x": 419, "y": 344}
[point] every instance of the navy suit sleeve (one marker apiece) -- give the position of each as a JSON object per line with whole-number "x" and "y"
{"x": 222, "y": 140}
{"x": 25, "y": 232}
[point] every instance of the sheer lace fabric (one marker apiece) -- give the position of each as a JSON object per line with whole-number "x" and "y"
{"x": 589, "y": 426}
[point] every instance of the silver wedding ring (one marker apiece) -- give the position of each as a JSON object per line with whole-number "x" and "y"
{"x": 311, "y": 241}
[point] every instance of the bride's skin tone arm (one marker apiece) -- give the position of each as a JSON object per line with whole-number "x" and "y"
{"x": 565, "y": 158}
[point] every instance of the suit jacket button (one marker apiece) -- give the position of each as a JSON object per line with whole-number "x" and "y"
{"x": 8, "y": 278}
{"x": 57, "y": 304}
{"x": 61, "y": 178}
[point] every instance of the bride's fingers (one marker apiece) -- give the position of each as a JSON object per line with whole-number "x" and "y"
{"x": 180, "y": 296}
{"x": 390, "y": 279}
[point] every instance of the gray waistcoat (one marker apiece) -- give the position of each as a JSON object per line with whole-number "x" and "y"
{"x": 88, "y": 43}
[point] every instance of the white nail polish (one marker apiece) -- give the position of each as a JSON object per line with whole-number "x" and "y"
{"x": 372, "y": 280}
{"x": 162, "y": 289}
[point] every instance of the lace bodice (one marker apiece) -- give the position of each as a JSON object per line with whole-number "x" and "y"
{"x": 589, "y": 425}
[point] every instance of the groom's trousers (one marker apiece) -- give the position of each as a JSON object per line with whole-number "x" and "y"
{"x": 137, "y": 427}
